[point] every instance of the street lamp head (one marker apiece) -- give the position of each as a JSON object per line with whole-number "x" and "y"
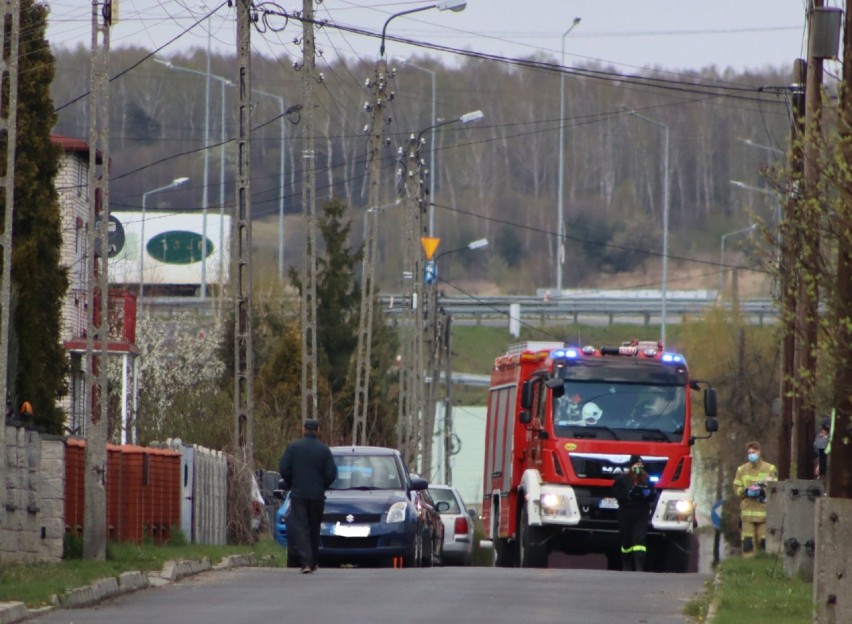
{"x": 451, "y": 5}
{"x": 478, "y": 244}
{"x": 471, "y": 117}
{"x": 179, "y": 181}
{"x": 163, "y": 62}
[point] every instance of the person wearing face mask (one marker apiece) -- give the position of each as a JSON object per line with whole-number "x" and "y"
{"x": 749, "y": 485}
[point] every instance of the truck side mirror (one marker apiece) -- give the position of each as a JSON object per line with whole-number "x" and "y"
{"x": 711, "y": 425}
{"x": 525, "y": 417}
{"x": 710, "y": 402}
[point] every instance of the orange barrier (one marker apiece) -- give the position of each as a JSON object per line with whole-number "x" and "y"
{"x": 142, "y": 491}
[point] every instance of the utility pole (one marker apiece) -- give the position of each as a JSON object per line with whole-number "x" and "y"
{"x": 447, "y": 344}
{"x": 840, "y": 459}
{"x": 413, "y": 259}
{"x": 241, "y": 246}
{"x": 97, "y": 295}
{"x": 309, "y": 287}
{"x": 8, "y": 135}
{"x": 379, "y": 96}
{"x": 788, "y": 243}
{"x": 809, "y": 281}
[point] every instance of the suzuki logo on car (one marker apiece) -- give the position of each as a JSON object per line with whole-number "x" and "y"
{"x": 350, "y": 518}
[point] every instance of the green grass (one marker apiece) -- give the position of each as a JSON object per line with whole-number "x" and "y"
{"x": 35, "y": 583}
{"x": 755, "y": 591}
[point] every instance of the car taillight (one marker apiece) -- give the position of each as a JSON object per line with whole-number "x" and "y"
{"x": 461, "y": 526}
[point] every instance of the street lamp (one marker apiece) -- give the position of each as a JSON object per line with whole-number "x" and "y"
{"x": 223, "y": 82}
{"x": 281, "y": 181}
{"x": 432, "y": 120}
{"x": 665, "y": 276}
{"x": 443, "y": 5}
{"x": 722, "y": 269}
{"x": 174, "y": 184}
{"x": 560, "y": 250}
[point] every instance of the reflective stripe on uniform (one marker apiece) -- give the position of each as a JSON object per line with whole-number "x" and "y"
{"x": 625, "y": 551}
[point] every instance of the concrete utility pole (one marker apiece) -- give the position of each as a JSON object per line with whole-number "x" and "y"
{"x": 97, "y": 296}
{"x": 241, "y": 247}
{"x": 310, "y": 406}
{"x": 379, "y": 96}
{"x": 8, "y": 135}
{"x": 413, "y": 260}
{"x": 788, "y": 241}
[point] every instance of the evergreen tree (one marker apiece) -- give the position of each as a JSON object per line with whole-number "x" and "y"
{"x": 38, "y": 281}
{"x": 338, "y": 296}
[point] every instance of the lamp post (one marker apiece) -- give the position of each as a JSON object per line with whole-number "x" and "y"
{"x": 560, "y": 208}
{"x": 174, "y": 184}
{"x": 281, "y": 181}
{"x": 435, "y": 358}
{"x": 443, "y": 5}
{"x": 665, "y": 276}
{"x": 722, "y": 269}
{"x": 223, "y": 82}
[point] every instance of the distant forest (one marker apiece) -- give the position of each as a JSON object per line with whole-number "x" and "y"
{"x": 497, "y": 178}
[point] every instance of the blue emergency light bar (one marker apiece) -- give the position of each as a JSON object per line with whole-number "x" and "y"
{"x": 565, "y": 353}
{"x": 673, "y": 358}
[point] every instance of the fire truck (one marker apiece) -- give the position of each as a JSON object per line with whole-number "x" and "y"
{"x": 562, "y": 424}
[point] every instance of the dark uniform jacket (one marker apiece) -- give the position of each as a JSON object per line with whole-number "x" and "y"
{"x": 633, "y": 496}
{"x": 308, "y": 468}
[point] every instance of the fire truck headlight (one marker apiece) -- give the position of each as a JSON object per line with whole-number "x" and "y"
{"x": 679, "y": 510}
{"x": 396, "y": 513}
{"x": 553, "y": 504}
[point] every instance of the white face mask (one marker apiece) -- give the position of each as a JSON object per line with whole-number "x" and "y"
{"x": 753, "y": 457}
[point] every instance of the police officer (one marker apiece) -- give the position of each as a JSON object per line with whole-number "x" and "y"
{"x": 749, "y": 485}
{"x": 308, "y": 469}
{"x": 635, "y": 495}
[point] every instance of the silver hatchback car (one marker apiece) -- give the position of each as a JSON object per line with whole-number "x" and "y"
{"x": 458, "y": 524}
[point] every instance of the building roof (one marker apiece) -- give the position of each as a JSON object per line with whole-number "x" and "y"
{"x": 69, "y": 144}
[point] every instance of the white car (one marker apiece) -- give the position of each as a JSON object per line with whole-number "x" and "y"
{"x": 458, "y": 524}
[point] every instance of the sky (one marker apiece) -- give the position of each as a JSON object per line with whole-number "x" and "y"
{"x": 625, "y": 34}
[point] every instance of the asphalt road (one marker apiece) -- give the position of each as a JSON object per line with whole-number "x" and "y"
{"x": 387, "y": 596}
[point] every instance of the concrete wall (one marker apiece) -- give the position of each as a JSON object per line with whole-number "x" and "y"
{"x": 35, "y": 497}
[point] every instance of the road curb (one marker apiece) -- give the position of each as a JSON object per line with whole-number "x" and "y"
{"x": 125, "y": 583}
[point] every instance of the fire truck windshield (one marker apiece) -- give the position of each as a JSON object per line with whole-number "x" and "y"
{"x": 626, "y": 410}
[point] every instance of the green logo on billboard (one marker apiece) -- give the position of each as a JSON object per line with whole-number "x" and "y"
{"x": 179, "y": 247}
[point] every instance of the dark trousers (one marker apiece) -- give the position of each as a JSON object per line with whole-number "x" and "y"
{"x": 632, "y": 532}
{"x": 303, "y": 529}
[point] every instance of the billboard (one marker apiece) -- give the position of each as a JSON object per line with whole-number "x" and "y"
{"x": 176, "y": 246}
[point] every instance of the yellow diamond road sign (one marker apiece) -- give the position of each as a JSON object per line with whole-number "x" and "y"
{"x": 429, "y": 245}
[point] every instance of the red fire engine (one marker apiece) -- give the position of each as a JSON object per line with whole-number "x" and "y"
{"x": 562, "y": 424}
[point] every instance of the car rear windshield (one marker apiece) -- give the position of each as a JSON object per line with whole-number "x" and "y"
{"x": 446, "y": 496}
{"x": 368, "y": 472}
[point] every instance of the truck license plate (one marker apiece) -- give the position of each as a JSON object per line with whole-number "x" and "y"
{"x": 608, "y": 503}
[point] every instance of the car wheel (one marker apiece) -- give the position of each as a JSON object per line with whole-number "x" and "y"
{"x": 414, "y": 558}
{"x": 428, "y": 551}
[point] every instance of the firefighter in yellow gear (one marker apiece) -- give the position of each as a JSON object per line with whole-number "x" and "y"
{"x": 750, "y": 486}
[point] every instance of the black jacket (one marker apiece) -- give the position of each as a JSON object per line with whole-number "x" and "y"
{"x": 308, "y": 468}
{"x": 632, "y": 495}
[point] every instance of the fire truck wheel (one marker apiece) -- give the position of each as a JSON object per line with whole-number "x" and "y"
{"x": 532, "y": 553}
{"x": 504, "y": 554}
{"x": 678, "y": 550}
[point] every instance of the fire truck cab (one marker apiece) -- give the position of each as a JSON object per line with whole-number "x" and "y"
{"x": 562, "y": 423}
